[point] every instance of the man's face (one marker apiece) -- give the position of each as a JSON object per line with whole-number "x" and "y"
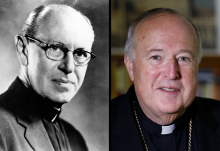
{"x": 60, "y": 80}
{"x": 165, "y": 65}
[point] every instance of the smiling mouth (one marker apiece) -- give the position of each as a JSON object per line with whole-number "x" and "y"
{"x": 169, "y": 90}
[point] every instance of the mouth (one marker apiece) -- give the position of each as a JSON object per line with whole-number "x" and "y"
{"x": 62, "y": 81}
{"x": 169, "y": 89}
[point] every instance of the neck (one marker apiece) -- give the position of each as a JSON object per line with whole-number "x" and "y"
{"x": 161, "y": 118}
{"x": 24, "y": 77}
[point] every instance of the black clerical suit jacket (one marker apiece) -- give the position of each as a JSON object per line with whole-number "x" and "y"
{"x": 125, "y": 135}
{"x": 21, "y": 129}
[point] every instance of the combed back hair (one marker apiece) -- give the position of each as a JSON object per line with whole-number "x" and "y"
{"x": 31, "y": 26}
{"x": 130, "y": 42}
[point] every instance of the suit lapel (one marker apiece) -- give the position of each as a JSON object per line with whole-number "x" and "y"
{"x": 36, "y": 135}
{"x": 34, "y": 130}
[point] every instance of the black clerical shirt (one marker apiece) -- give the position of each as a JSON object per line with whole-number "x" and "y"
{"x": 175, "y": 141}
{"x": 56, "y": 135}
{"x": 125, "y": 135}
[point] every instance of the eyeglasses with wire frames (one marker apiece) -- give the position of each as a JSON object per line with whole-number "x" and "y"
{"x": 57, "y": 52}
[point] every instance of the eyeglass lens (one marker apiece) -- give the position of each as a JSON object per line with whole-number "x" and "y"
{"x": 80, "y": 57}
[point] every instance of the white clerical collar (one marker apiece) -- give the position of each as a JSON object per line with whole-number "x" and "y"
{"x": 167, "y": 129}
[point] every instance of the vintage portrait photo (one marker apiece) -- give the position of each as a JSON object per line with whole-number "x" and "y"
{"x": 54, "y": 87}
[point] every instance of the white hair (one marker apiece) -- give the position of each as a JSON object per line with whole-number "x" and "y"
{"x": 130, "y": 42}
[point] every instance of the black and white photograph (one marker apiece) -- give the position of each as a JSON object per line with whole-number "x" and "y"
{"x": 54, "y": 87}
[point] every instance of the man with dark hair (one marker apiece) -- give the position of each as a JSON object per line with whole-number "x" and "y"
{"x": 54, "y": 50}
{"x": 160, "y": 110}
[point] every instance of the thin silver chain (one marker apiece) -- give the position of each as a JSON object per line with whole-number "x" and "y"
{"x": 142, "y": 136}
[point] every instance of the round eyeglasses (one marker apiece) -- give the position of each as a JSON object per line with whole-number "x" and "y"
{"x": 57, "y": 52}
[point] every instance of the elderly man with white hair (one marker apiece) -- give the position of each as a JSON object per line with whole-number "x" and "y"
{"x": 160, "y": 111}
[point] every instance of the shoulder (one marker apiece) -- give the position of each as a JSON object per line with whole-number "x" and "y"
{"x": 211, "y": 104}
{"x": 6, "y": 107}
{"x": 119, "y": 102}
{"x": 8, "y": 126}
{"x": 121, "y": 108}
{"x": 116, "y": 101}
{"x": 6, "y": 111}
{"x": 122, "y": 99}
{"x": 206, "y": 105}
{"x": 114, "y": 107}
{"x": 10, "y": 97}
{"x": 75, "y": 138}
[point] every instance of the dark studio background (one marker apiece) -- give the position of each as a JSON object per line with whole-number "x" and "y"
{"x": 89, "y": 109}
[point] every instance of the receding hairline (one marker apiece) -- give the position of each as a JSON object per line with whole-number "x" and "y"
{"x": 143, "y": 20}
{"x": 44, "y": 14}
{"x": 58, "y": 8}
{"x": 154, "y": 12}
{"x": 159, "y": 14}
{"x": 52, "y": 12}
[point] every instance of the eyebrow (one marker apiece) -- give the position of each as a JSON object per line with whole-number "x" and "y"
{"x": 65, "y": 46}
{"x": 58, "y": 43}
{"x": 181, "y": 51}
{"x": 187, "y": 51}
{"x": 82, "y": 49}
{"x": 153, "y": 50}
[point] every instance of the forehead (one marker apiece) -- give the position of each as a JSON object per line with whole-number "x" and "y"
{"x": 165, "y": 27}
{"x": 64, "y": 24}
{"x": 163, "y": 20}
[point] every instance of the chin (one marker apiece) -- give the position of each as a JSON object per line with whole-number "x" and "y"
{"x": 170, "y": 108}
{"x": 61, "y": 95}
{"x": 170, "y": 111}
{"x": 61, "y": 98}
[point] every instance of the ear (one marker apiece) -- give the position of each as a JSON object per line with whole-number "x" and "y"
{"x": 21, "y": 50}
{"x": 129, "y": 66}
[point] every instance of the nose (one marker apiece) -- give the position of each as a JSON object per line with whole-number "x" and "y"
{"x": 67, "y": 65}
{"x": 171, "y": 70}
